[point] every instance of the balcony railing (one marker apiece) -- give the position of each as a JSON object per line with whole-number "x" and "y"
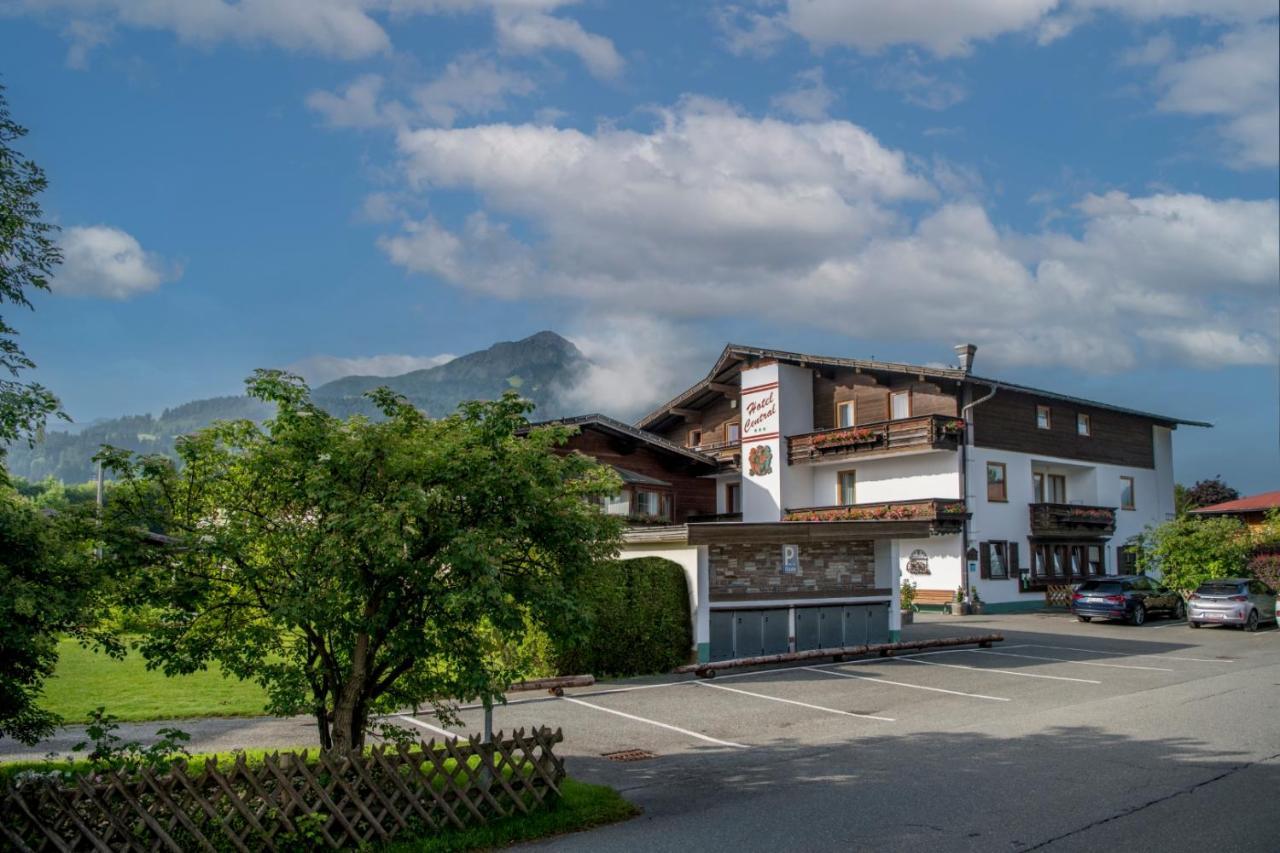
{"x": 936, "y": 432}
{"x": 1072, "y": 520}
{"x": 945, "y": 514}
{"x": 714, "y": 517}
{"x": 727, "y": 453}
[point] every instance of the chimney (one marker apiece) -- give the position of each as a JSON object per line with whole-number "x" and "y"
{"x": 966, "y": 352}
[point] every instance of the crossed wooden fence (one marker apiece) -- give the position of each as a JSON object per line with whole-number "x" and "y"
{"x": 290, "y": 801}
{"x": 1058, "y": 595}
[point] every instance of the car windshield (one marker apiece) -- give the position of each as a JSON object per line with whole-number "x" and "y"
{"x": 1220, "y": 588}
{"x": 1100, "y": 586}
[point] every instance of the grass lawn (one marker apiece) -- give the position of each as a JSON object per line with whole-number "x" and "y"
{"x": 84, "y": 680}
{"x": 581, "y": 806}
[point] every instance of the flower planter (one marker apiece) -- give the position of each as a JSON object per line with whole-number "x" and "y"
{"x": 976, "y": 608}
{"x": 958, "y": 608}
{"x": 908, "y": 617}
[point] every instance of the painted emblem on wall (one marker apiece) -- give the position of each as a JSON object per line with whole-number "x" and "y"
{"x": 918, "y": 562}
{"x": 760, "y": 460}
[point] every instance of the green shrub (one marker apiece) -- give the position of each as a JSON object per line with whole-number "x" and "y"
{"x": 639, "y": 620}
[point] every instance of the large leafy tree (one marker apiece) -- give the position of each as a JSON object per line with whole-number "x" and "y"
{"x": 354, "y": 567}
{"x": 1188, "y": 551}
{"x": 1203, "y": 493}
{"x": 50, "y": 586}
{"x": 28, "y": 256}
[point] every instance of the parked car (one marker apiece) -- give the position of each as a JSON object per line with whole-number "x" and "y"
{"x": 1129, "y": 597}
{"x": 1232, "y": 601}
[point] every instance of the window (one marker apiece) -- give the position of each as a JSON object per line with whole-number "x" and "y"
{"x": 652, "y": 504}
{"x": 1056, "y": 562}
{"x": 1043, "y": 420}
{"x": 695, "y": 437}
{"x": 733, "y": 497}
{"x": 1057, "y": 489}
{"x": 1083, "y": 427}
{"x": 619, "y": 504}
{"x": 846, "y": 482}
{"x": 999, "y": 560}
{"x": 1037, "y": 486}
{"x": 1126, "y": 493}
{"x": 996, "y": 487}
{"x": 732, "y": 432}
{"x": 844, "y": 414}
{"x": 900, "y": 404}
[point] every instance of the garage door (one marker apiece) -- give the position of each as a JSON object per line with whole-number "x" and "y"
{"x": 749, "y": 633}
{"x": 877, "y": 623}
{"x": 807, "y": 628}
{"x": 855, "y": 625}
{"x": 831, "y": 627}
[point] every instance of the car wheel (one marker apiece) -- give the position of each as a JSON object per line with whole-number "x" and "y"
{"x": 1180, "y": 612}
{"x": 1194, "y": 624}
{"x": 1139, "y": 615}
{"x": 1085, "y": 618}
{"x": 1251, "y": 624}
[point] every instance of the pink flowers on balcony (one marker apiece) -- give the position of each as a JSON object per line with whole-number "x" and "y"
{"x": 839, "y": 437}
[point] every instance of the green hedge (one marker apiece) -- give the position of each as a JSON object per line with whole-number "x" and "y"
{"x": 639, "y": 613}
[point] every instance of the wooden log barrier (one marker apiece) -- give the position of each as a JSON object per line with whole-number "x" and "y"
{"x": 709, "y": 670}
{"x": 556, "y": 685}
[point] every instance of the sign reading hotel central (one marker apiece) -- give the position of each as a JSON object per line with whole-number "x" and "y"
{"x": 760, "y": 412}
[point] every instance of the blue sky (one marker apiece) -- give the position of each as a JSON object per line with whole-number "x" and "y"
{"x": 1087, "y": 189}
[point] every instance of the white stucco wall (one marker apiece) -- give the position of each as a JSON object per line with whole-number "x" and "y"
{"x": 761, "y": 494}
{"x": 946, "y": 564}
{"x": 935, "y": 474}
{"x": 1087, "y": 483}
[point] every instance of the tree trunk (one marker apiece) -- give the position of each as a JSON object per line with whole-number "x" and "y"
{"x": 350, "y": 704}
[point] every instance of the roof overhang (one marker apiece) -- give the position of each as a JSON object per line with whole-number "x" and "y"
{"x": 801, "y": 532}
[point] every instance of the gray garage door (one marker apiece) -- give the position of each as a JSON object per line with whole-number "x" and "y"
{"x": 830, "y": 627}
{"x": 866, "y": 623}
{"x": 877, "y": 623}
{"x": 749, "y": 633}
{"x": 808, "y": 622}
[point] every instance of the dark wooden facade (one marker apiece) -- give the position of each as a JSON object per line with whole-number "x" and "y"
{"x": 691, "y": 493}
{"x": 871, "y": 396}
{"x": 1008, "y": 422}
{"x": 711, "y": 422}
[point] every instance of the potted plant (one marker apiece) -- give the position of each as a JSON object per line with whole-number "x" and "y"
{"x": 958, "y": 607}
{"x": 975, "y": 603}
{"x": 907, "y": 600}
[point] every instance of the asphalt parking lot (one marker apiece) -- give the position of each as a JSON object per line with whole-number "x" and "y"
{"x": 1066, "y": 736}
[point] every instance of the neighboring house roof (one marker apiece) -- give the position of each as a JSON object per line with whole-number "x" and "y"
{"x": 733, "y": 353}
{"x": 610, "y": 425}
{"x": 633, "y": 478}
{"x": 1252, "y": 503}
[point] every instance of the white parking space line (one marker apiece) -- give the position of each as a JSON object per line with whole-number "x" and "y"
{"x": 1132, "y": 654}
{"x": 998, "y": 671}
{"x": 668, "y": 726}
{"x": 905, "y": 684}
{"x": 872, "y": 661}
{"x": 1069, "y": 660}
{"x": 796, "y": 702}
{"x": 427, "y": 726}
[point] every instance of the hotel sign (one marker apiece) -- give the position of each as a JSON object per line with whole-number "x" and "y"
{"x": 760, "y": 412}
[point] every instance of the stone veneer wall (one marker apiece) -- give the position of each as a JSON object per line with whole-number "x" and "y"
{"x": 833, "y": 567}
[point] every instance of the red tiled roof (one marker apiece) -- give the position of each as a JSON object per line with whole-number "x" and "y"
{"x": 1253, "y": 503}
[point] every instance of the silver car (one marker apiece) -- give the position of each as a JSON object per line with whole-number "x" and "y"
{"x": 1232, "y": 601}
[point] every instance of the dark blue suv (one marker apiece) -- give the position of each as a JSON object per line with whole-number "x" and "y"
{"x": 1129, "y": 597}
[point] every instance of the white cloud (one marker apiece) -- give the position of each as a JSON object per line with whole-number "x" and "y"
{"x": 84, "y": 36}
{"x": 470, "y": 85}
{"x": 318, "y": 369}
{"x": 1237, "y": 80}
{"x": 809, "y": 99}
{"x": 919, "y": 87}
{"x": 953, "y": 28}
{"x": 357, "y": 105}
{"x": 338, "y": 28}
{"x": 522, "y": 30}
{"x": 711, "y": 212}
{"x": 98, "y": 260}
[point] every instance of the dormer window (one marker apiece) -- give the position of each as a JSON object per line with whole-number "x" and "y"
{"x": 695, "y": 437}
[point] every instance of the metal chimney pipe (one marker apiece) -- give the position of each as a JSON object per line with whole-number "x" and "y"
{"x": 966, "y": 353}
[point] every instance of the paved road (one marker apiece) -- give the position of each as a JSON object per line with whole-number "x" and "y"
{"x": 1065, "y": 737}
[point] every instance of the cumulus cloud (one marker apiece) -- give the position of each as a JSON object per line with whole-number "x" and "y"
{"x": 522, "y": 30}
{"x": 1236, "y": 80}
{"x": 98, "y": 260}
{"x": 712, "y": 212}
{"x": 318, "y": 369}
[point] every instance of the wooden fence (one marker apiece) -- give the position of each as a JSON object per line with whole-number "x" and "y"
{"x": 287, "y": 802}
{"x": 1058, "y": 595}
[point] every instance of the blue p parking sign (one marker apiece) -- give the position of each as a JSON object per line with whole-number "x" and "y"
{"x": 790, "y": 559}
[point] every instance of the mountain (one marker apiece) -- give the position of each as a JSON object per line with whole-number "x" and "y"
{"x": 537, "y": 366}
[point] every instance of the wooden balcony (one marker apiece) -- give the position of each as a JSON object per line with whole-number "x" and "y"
{"x": 1068, "y": 520}
{"x": 727, "y": 453}
{"x": 943, "y": 515}
{"x": 714, "y": 518}
{"x": 927, "y": 432}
